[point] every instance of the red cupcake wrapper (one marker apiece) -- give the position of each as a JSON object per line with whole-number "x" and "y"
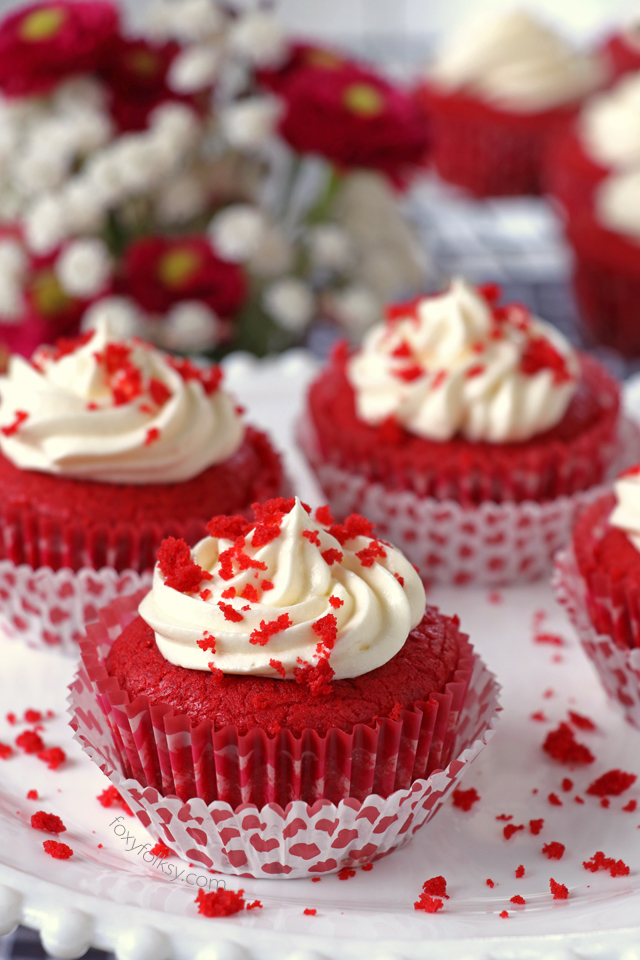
{"x": 493, "y": 544}
{"x": 356, "y": 796}
{"x": 619, "y": 57}
{"x": 570, "y": 175}
{"x": 490, "y": 152}
{"x": 617, "y": 666}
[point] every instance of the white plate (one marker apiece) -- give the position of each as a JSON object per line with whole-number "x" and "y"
{"x": 110, "y": 898}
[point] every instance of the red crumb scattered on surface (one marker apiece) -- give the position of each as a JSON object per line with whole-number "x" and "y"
{"x": 567, "y": 784}
{"x": 518, "y": 899}
{"x": 254, "y": 905}
{"x": 512, "y": 828}
{"x": 32, "y": 716}
{"x": 30, "y": 741}
{"x": 630, "y": 807}
{"x": 580, "y": 721}
{"x": 504, "y": 816}
{"x": 161, "y": 850}
{"x": 316, "y": 879}
{"x": 561, "y": 745}
{"x": 490, "y": 883}
{"x": 535, "y": 826}
{"x": 346, "y": 874}
{"x": 32, "y": 795}
{"x": 554, "y": 850}
{"x": 367, "y": 867}
{"x": 436, "y": 887}
{"x": 558, "y": 890}
{"x": 551, "y": 638}
{"x": 57, "y": 850}
{"x": 494, "y": 596}
{"x": 54, "y": 757}
{"x": 220, "y": 903}
{"x": 309, "y": 912}
{"x": 11, "y": 718}
{"x": 47, "y": 822}
{"x": 611, "y": 784}
{"x": 111, "y": 798}
{"x": 539, "y": 716}
{"x": 548, "y": 693}
{"x": 554, "y": 800}
{"x": 605, "y": 802}
{"x": 465, "y": 799}
{"x": 427, "y": 903}
{"x": 617, "y": 868}
{"x": 519, "y": 872}
{"x": 504, "y": 914}
{"x": 557, "y": 658}
{"x": 5, "y": 751}
{"x": 578, "y": 800}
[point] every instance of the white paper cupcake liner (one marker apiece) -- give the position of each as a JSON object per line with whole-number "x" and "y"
{"x": 491, "y": 545}
{"x": 49, "y": 609}
{"x": 618, "y": 668}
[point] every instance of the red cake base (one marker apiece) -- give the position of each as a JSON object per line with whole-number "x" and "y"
{"x": 59, "y": 522}
{"x": 570, "y": 175}
{"x": 490, "y": 152}
{"x": 571, "y": 457}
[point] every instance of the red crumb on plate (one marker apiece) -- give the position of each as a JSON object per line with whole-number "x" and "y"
{"x": 54, "y": 757}
{"x": 47, "y": 822}
{"x": 539, "y": 716}
{"x": 32, "y": 795}
{"x": 32, "y": 716}
{"x": 316, "y": 879}
{"x": 519, "y": 872}
{"x": 30, "y": 742}
{"x": 567, "y": 784}
{"x": 366, "y": 866}
{"x": 494, "y": 596}
{"x": 220, "y": 903}
{"x": 518, "y": 899}
{"x": 5, "y": 751}
{"x": 554, "y": 850}
{"x": 611, "y": 784}
{"x": 578, "y": 800}
{"x": 605, "y": 802}
{"x": 11, "y": 718}
{"x": 346, "y": 874}
{"x": 504, "y": 816}
{"x": 617, "y": 868}
{"x": 580, "y": 721}
{"x": 631, "y": 806}
{"x": 309, "y": 912}
{"x": 111, "y": 798}
{"x": 551, "y": 638}
{"x": 490, "y": 883}
{"x": 504, "y": 914}
{"x": 465, "y": 799}
{"x": 558, "y": 890}
{"x": 436, "y": 887}
{"x": 428, "y": 904}
{"x": 57, "y": 850}
{"x": 561, "y": 745}
{"x": 535, "y": 826}
{"x": 161, "y": 850}
{"x": 554, "y": 800}
{"x": 254, "y": 905}
{"x": 512, "y": 828}
{"x": 548, "y": 693}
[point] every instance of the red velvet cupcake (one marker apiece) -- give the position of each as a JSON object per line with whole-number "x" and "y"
{"x": 620, "y": 53}
{"x": 598, "y": 580}
{"x": 497, "y": 95}
{"x": 469, "y": 431}
{"x": 289, "y": 663}
{"x": 106, "y": 448}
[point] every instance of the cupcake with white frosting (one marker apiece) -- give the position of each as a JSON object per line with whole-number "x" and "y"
{"x": 106, "y": 447}
{"x": 460, "y": 424}
{"x": 620, "y": 52}
{"x": 286, "y": 663}
{"x": 497, "y": 93}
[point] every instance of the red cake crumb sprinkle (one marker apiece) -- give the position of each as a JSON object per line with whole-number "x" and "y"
{"x": 229, "y": 593}
{"x": 611, "y": 784}
{"x": 354, "y": 526}
{"x": 216, "y": 673}
{"x": 316, "y": 879}
{"x": 535, "y": 826}
{"x": 250, "y": 593}
{"x": 57, "y": 850}
{"x": 161, "y": 850}
{"x": 512, "y": 828}
{"x": 234, "y": 616}
{"x": 205, "y": 594}
{"x": 562, "y": 746}
{"x": 581, "y": 722}
{"x": 519, "y": 872}
{"x": 20, "y": 417}
{"x": 346, "y": 874}
{"x": 578, "y": 800}
{"x": 47, "y": 822}
{"x": 266, "y": 585}
{"x": 617, "y": 868}
{"x": 540, "y": 354}
{"x": 368, "y": 555}
{"x": 490, "y": 883}
{"x": 209, "y": 377}
{"x": 5, "y": 751}
{"x": 30, "y": 741}
{"x": 66, "y": 345}
{"x": 465, "y": 799}
{"x": 180, "y": 571}
{"x": 332, "y": 556}
{"x": 554, "y": 800}
{"x": 548, "y": 693}
{"x": 428, "y": 904}
{"x": 554, "y": 850}
{"x": 310, "y": 911}
{"x": 11, "y": 718}
{"x": 436, "y": 887}
{"x": 268, "y": 629}
{"x": 159, "y": 391}
{"x": 228, "y": 528}
{"x": 539, "y": 716}
{"x": 54, "y": 757}
{"x": 317, "y": 678}
{"x": 207, "y": 642}
{"x": 254, "y": 905}
{"x": 277, "y": 666}
{"x": 550, "y": 638}
{"x": 111, "y": 798}
{"x": 504, "y": 914}
{"x": 558, "y": 890}
{"x": 605, "y": 802}
{"x": 336, "y": 602}
{"x": 475, "y": 370}
{"x": 567, "y": 784}
{"x": 220, "y": 902}
{"x": 505, "y": 816}
{"x": 367, "y": 866}
{"x": 631, "y": 806}
{"x": 32, "y": 716}
{"x": 399, "y": 579}
{"x": 518, "y": 899}
{"x": 327, "y": 629}
{"x": 410, "y": 373}
{"x": 32, "y": 795}
{"x": 153, "y": 434}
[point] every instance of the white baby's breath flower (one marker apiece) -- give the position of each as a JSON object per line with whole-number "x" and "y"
{"x": 13, "y": 259}
{"x": 79, "y": 93}
{"x": 274, "y": 254}
{"x": 46, "y": 224}
{"x": 236, "y": 232}
{"x": 11, "y": 300}
{"x": 102, "y": 174}
{"x": 249, "y": 123}
{"x": 92, "y": 129}
{"x": 177, "y": 122}
{"x": 84, "y": 267}
{"x": 187, "y": 21}
{"x": 356, "y": 309}
{"x": 258, "y": 37}
{"x": 121, "y": 315}
{"x": 291, "y": 304}
{"x": 181, "y": 199}
{"x": 13, "y": 266}
{"x": 190, "y": 327}
{"x": 84, "y": 205}
{"x": 330, "y": 247}
{"x": 195, "y": 68}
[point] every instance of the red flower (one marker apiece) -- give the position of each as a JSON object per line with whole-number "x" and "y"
{"x": 43, "y": 43}
{"x": 136, "y": 74}
{"x": 159, "y": 272}
{"x": 301, "y": 56}
{"x": 355, "y": 119}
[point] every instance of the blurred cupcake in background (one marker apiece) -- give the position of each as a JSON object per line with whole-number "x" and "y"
{"x": 620, "y": 52}
{"x": 497, "y": 93}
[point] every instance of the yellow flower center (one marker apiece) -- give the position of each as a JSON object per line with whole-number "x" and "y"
{"x": 42, "y": 24}
{"x": 178, "y": 266}
{"x": 50, "y": 298}
{"x": 144, "y": 63}
{"x": 323, "y": 58}
{"x": 363, "y": 100}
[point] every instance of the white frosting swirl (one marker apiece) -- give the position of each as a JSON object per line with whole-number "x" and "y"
{"x": 371, "y": 609}
{"x": 514, "y": 62}
{"x": 609, "y": 125}
{"x": 617, "y": 203}
{"x": 70, "y": 414}
{"x": 453, "y": 364}
{"x": 626, "y": 513}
